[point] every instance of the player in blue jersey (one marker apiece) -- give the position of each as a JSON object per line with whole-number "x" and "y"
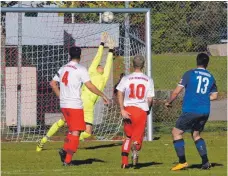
{"x": 200, "y": 89}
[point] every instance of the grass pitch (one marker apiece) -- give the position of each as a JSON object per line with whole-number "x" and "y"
{"x": 103, "y": 158}
{"x": 156, "y": 158}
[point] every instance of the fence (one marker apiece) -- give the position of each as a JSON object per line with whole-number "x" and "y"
{"x": 180, "y": 30}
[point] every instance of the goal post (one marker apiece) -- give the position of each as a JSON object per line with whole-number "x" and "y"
{"x": 28, "y": 51}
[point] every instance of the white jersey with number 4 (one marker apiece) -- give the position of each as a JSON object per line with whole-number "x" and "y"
{"x": 71, "y": 76}
{"x": 137, "y": 87}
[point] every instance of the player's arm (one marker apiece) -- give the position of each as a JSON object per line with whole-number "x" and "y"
{"x": 54, "y": 83}
{"x": 214, "y": 96}
{"x": 124, "y": 113}
{"x": 97, "y": 59}
{"x": 86, "y": 80}
{"x": 97, "y": 83}
{"x": 181, "y": 85}
{"x": 121, "y": 99}
{"x": 109, "y": 61}
{"x": 150, "y": 95}
{"x": 55, "y": 87}
{"x": 150, "y": 104}
{"x": 120, "y": 96}
{"x": 214, "y": 92}
{"x": 174, "y": 95}
{"x": 96, "y": 91}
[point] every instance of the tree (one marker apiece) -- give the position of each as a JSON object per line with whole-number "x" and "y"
{"x": 169, "y": 27}
{"x": 207, "y": 23}
{"x": 186, "y": 26}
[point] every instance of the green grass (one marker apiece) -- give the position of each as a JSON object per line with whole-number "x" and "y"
{"x": 168, "y": 69}
{"x": 103, "y": 158}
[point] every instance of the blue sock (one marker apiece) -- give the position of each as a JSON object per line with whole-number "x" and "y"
{"x": 179, "y": 147}
{"x": 202, "y": 149}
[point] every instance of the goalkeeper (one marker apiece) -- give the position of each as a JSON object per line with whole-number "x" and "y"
{"x": 99, "y": 77}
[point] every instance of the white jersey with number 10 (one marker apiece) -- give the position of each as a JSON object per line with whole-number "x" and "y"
{"x": 70, "y": 77}
{"x": 137, "y": 87}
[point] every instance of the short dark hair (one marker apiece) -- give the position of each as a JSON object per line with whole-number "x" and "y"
{"x": 202, "y": 60}
{"x": 122, "y": 75}
{"x": 75, "y": 53}
{"x": 138, "y": 62}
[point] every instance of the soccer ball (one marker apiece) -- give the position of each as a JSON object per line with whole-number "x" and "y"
{"x": 107, "y": 17}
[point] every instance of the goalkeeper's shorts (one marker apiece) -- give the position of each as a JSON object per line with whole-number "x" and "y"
{"x": 135, "y": 128}
{"x": 88, "y": 112}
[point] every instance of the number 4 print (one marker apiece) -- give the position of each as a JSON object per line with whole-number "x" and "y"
{"x": 65, "y": 78}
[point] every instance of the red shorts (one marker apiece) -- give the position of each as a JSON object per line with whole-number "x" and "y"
{"x": 136, "y": 128}
{"x": 74, "y": 119}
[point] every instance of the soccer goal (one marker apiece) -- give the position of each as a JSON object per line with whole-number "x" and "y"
{"x": 35, "y": 43}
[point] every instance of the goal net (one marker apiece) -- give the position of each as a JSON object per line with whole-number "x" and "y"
{"x": 35, "y": 46}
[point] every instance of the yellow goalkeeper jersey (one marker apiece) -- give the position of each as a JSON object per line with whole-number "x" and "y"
{"x": 99, "y": 80}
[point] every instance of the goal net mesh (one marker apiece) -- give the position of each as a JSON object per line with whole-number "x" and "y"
{"x": 35, "y": 46}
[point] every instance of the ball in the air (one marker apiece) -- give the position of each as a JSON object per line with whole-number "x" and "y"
{"x": 107, "y": 17}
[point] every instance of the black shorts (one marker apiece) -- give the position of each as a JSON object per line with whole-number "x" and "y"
{"x": 191, "y": 121}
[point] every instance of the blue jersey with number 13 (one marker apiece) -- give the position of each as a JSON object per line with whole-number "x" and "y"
{"x": 199, "y": 84}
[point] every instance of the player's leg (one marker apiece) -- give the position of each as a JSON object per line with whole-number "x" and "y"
{"x": 87, "y": 133}
{"x": 88, "y": 116}
{"x": 71, "y": 146}
{"x": 76, "y": 124}
{"x": 179, "y": 146}
{"x": 139, "y": 124}
{"x": 54, "y": 128}
{"x": 183, "y": 123}
{"x": 126, "y": 146}
{"x": 199, "y": 142}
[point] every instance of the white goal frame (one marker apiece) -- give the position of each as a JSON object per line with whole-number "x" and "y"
{"x": 146, "y": 11}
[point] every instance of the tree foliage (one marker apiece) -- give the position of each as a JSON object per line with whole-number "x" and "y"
{"x": 186, "y": 26}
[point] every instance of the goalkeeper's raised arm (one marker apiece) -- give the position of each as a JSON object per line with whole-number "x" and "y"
{"x": 96, "y": 61}
{"x": 109, "y": 61}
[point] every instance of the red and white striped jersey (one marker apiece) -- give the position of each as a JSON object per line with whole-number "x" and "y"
{"x": 137, "y": 87}
{"x": 71, "y": 76}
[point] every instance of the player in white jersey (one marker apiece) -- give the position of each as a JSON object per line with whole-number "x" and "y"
{"x": 135, "y": 92}
{"x": 70, "y": 77}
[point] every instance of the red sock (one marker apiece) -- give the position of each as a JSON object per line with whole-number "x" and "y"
{"x": 72, "y": 147}
{"x": 126, "y": 147}
{"x": 66, "y": 142}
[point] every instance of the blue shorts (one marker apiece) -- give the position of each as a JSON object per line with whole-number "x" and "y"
{"x": 191, "y": 121}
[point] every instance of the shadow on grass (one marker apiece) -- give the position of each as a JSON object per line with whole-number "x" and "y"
{"x": 141, "y": 165}
{"x": 156, "y": 138}
{"x": 103, "y": 146}
{"x": 198, "y": 166}
{"x": 87, "y": 161}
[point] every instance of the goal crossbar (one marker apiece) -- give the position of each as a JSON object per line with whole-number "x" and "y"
{"x": 76, "y": 10}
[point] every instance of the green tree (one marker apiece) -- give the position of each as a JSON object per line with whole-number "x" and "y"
{"x": 169, "y": 27}
{"x": 186, "y": 26}
{"x": 207, "y": 23}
